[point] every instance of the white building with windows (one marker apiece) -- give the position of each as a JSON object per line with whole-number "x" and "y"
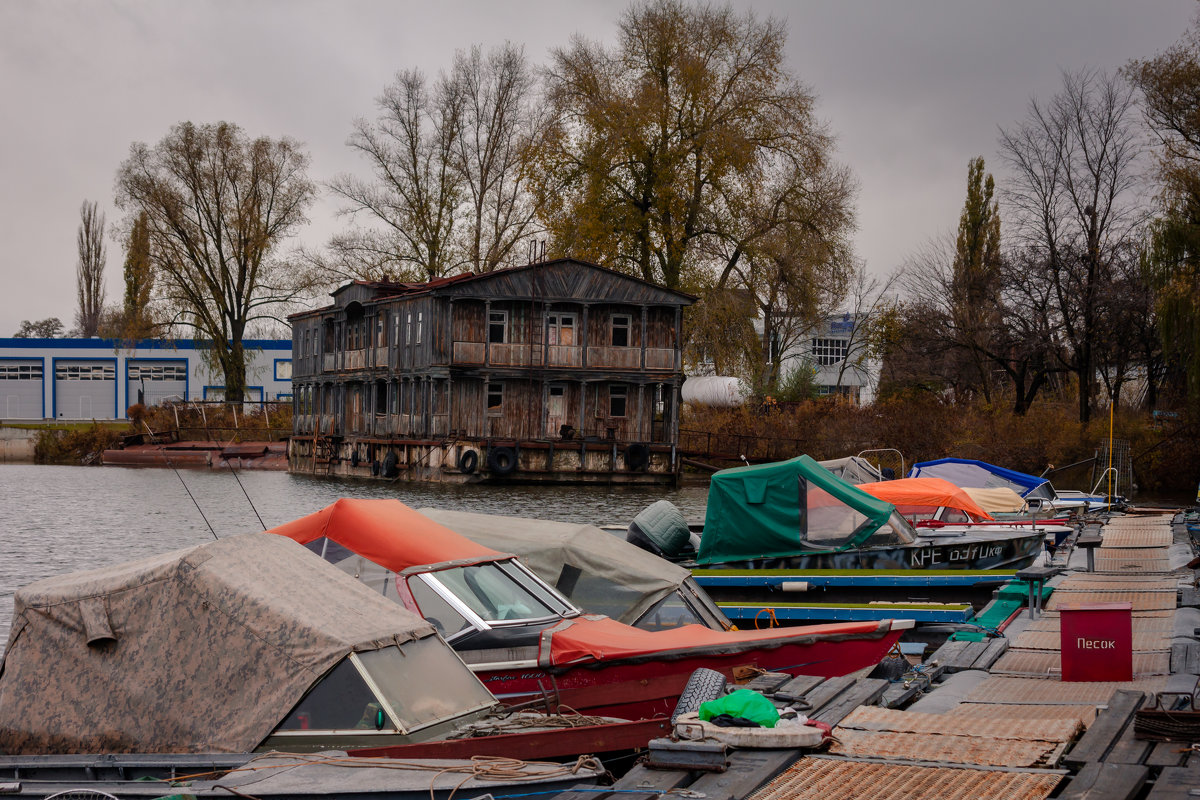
{"x": 82, "y": 379}
{"x": 836, "y": 355}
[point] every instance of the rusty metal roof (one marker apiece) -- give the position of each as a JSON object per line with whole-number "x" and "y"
{"x": 1005, "y": 689}
{"x": 1004, "y": 711}
{"x": 956, "y": 723}
{"x": 1143, "y": 640}
{"x": 1049, "y": 663}
{"x": 1136, "y": 538}
{"x": 946, "y": 749}
{"x": 829, "y": 779}
{"x": 1141, "y": 601}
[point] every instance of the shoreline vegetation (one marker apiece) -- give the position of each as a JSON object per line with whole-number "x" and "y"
{"x": 1165, "y": 452}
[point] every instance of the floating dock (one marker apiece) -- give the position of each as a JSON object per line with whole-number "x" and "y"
{"x": 994, "y": 718}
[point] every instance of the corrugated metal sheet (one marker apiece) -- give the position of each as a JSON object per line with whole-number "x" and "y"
{"x": 1004, "y": 711}
{"x": 946, "y": 749}
{"x": 1142, "y": 601}
{"x": 1049, "y": 663}
{"x": 1003, "y": 689}
{"x": 829, "y": 779}
{"x": 1162, "y": 620}
{"x": 955, "y": 723}
{"x": 1144, "y": 641}
{"x": 1124, "y": 562}
{"x": 1137, "y": 583}
{"x": 1136, "y": 538}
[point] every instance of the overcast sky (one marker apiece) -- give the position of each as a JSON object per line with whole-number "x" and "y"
{"x": 912, "y": 91}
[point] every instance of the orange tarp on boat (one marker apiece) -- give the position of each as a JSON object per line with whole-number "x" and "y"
{"x": 386, "y": 532}
{"x": 601, "y": 639}
{"x": 911, "y": 495}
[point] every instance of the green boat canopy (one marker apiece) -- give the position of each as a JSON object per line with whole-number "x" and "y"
{"x": 786, "y": 508}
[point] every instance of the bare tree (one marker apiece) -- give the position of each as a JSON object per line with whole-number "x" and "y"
{"x": 870, "y": 302}
{"x": 1074, "y": 203}
{"x": 450, "y": 185}
{"x": 89, "y": 270}
{"x": 218, "y": 207}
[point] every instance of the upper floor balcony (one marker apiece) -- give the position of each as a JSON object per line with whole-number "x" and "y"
{"x": 527, "y": 355}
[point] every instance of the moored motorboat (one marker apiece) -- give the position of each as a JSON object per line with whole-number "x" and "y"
{"x": 794, "y": 527}
{"x": 526, "y": 641}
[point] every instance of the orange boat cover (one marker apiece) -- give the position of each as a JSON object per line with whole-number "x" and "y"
{"x": 909, "y": 495}
{"x": 601, "y": 638}
{"x": 386, "y": 532}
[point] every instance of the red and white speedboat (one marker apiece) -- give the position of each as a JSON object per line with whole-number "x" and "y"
{"x": 526, "y": 641}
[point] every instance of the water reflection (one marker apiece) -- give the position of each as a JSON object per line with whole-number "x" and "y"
{"x": 62, "y": 519}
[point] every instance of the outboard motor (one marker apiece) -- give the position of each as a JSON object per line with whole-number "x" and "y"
{"x": 661, "y": 529}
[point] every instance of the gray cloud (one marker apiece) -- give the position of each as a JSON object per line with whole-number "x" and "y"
{"x": 911, "y": 89}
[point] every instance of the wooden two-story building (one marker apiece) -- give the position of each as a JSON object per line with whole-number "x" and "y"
{"x": 554, "y": 371}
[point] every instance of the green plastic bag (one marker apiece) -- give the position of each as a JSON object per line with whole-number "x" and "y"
{"x": 742, "y": 703}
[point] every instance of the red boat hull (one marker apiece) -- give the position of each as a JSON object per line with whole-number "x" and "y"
{"x": 644, "y": 688}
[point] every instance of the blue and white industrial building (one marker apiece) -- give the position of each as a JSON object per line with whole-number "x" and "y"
{"x": 83, "y": 379}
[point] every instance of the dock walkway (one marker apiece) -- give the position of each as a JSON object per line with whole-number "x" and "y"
{"x": 999, "y": 722}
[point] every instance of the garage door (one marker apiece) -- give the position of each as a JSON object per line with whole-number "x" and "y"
{"x": 156, "y": 380}
{"x": 21, "y": 388}
{"x": 85, "y": 388}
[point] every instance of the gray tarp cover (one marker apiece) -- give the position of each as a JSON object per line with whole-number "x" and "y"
{"x": 204, "y": 649}
{"x": 619, "y": 579}
{"x": 853, "y": 469}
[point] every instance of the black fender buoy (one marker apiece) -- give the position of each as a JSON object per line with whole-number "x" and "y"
{"x": 468, "y": 460}
{"x": 375, "y": 467}
{"x": 354, "y": 457}
{"x": 389, "y": 464}
{"x": 637, "y": 455}
{"x": 501, "y": 460}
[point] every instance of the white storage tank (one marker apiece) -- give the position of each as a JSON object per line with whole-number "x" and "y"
{"x": 714, "y": 390}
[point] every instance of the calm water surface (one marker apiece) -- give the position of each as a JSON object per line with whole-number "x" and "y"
{"x": 62, "y": 519}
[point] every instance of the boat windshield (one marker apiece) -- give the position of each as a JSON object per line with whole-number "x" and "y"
{"x": 387, "y": 690}
{"x": 827, "y": 523}
{"x": 503, "y": 592}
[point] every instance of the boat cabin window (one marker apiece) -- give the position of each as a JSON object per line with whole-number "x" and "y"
{"x": 341, "y": 701}
{"x": 501, "y": 592}
{"x": 673, "y": 611}
{"x": 826, "y": 523}
{"x": 448, "y": 620}
{"x": 388, "y": 690}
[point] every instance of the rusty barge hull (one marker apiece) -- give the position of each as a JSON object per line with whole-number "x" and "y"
{"x": 485, "y": 461}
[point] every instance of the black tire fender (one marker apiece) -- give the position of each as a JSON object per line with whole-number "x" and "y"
{"x": 390, "y": 461}
{"x": 501, "y": 460}
{"x": 354, "y": 457}
{"x": 637, "y": 456}
{"x": 704, "y": 685}
{"x": 468, "y": 460}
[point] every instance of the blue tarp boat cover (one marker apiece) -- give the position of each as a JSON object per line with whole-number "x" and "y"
{"x": 982, "y": 475}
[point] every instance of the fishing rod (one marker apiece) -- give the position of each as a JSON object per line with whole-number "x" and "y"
{"x": 154, "y": 439}
{"x": 229, "y": 464}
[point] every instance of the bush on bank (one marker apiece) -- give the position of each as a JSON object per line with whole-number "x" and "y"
{"x": 1165, "y": 452}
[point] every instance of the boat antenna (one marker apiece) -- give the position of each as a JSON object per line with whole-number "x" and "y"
{"x": 154, "y": 439}
{"x": 231, "y": 469}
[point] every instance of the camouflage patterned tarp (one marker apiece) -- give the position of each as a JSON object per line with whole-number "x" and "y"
{"x": 201, "y": 650}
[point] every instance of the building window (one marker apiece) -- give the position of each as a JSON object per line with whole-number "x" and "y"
{"x": 616, "y": 400}
{"x": 381, "y": 331}
{"x": 495, "y": 398}
{"x": 497, "y": 327}
{"x": 84, "y": 372}
{"x": 283, "y": 369}
{"x": 158, "y": 372}
{"x": 20, "y": 372}
{"x": 408, "y": 328}
{"x": 420, "y": 320}
{"x": 620, "y": 330}
{"x": 827, "y": 352}
{"x": 561, "y": 329}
